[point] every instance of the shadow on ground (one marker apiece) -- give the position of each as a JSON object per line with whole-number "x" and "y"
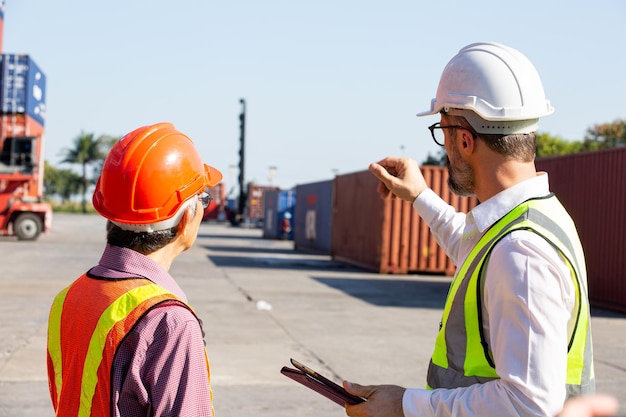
{"x": 233, "y": 237}
{"x": 274, "y": 262}
{"x": 601, "y": 312}
{"x": 376, "y": 289}
{"x": 389, "y": 291}
{"x": 257, "y": 249}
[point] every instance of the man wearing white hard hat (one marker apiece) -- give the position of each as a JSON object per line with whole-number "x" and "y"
{"x": 514, "y": 338}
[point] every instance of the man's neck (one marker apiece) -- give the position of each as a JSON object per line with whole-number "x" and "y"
{"x": 490, "y": 181}
{"x": 166, "y": 255}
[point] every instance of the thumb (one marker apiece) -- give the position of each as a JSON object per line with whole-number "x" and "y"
{"x": 358, "y": 390}
{"x": 379, "y": 172}
{"x": 384, "y": 178}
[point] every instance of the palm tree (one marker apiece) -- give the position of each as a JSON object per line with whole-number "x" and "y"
{"x": 86, "y": 151}
{"x": 62, "y": 182}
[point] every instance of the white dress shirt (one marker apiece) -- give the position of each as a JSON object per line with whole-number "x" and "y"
{"x": 528, "y": 300}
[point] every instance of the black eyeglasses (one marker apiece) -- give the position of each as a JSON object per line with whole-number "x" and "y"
{"x": 205, "y": 198}
{"x": 440, "y": 137}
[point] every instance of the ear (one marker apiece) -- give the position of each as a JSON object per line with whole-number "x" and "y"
{"x": 185, "y": 220}
{"x": 467, "y": 142}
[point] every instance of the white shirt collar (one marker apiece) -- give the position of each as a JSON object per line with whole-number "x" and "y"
{"x": 488, "y": 212}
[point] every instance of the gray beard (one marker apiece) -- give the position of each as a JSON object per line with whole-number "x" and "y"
{"x": 461, "y": 179}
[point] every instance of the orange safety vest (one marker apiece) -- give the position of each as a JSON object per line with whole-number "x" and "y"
{"x": 88, "y": 321}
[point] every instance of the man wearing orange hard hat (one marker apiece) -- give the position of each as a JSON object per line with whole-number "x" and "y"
{"x": 122, "y": 340}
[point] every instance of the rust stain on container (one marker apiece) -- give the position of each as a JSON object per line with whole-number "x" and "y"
{"x": 387, "y": 236}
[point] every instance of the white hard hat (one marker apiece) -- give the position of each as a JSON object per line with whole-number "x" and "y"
{"x": 495, "y": 87}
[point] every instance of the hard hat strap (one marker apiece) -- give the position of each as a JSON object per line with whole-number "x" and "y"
{"x": 162, "y": 225}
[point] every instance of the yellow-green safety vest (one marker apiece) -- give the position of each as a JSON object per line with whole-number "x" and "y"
{"x": 461, "y": 356}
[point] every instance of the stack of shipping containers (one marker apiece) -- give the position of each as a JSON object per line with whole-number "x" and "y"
{"x": 22, "y": 98}
{"x": 22, "y": 119}
{"x": 22, "y": 109}
{"x": 22, "y": 112}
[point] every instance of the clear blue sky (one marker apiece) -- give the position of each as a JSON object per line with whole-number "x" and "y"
{"x": 329, "y": 85}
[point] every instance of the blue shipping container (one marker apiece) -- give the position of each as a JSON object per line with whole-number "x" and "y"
{"x": 278, "y": 214}
{"x": 313, "y": 217}
{"x": 22, "y": 87}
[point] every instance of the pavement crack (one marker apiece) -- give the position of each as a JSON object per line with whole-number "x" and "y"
{"x": 321, "y": 365}
{"x": 239, "y": 288}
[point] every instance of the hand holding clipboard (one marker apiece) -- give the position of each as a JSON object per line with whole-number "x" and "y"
{"x": 320, "y": 384}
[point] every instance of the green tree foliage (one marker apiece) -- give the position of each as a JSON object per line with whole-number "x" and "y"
{"x": 600, "y": 136}
{"x": 546, "y": 146}
{"x": 551, "y": 146}
{"x": 606, "y": 135}
{"x": 106, "y": 143}
{"x": 61, "y": 182}
{"x": 439, "y": 159}
{"x": 87, "y": 151}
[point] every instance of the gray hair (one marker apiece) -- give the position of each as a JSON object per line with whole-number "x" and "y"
{"x": 144, "y": 242}
{"x": 520, "y": 147}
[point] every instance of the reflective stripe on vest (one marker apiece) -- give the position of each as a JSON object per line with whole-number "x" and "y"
{"x": 83, "y": 340}
{"x": 461, "y": 356}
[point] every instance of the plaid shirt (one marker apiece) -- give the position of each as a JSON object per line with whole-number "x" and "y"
{"x": 160, "y": 368}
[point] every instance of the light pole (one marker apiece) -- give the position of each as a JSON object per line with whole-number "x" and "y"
{"x": 270, "y": 174}
{"x": 242, "y": 140}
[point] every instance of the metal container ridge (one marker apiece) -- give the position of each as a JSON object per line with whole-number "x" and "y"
{"x": 388, "y": 236}
{"x": 592, "y": 187}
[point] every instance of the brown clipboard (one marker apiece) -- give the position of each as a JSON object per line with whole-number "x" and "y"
{"x": 320, "y": 384}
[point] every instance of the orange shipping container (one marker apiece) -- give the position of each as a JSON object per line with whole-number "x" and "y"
{"x": 217, "y": 203}
{"x": 387, "y": 236}
{"x": 19, "y": 125}
{"x": 255, "y": 205}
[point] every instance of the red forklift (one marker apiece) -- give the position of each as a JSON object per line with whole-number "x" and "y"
{"x": 22, "y": 210}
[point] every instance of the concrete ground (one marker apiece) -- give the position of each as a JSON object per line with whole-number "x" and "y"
{"x": 262, "y": 303}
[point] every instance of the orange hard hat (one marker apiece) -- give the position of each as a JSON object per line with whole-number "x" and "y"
{"x": 147, "y": 177}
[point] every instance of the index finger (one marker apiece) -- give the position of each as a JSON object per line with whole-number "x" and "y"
{"x": 389, "y": 162}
